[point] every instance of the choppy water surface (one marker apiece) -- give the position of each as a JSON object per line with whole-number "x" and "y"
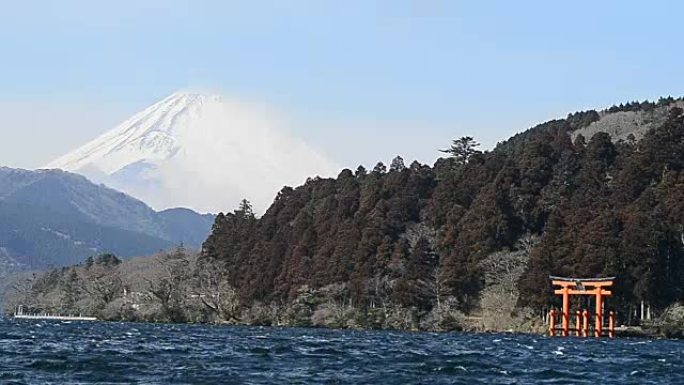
{"x": 113, "y": 353}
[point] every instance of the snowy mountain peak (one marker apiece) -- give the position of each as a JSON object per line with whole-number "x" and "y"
{"x": 149, "y": 135}
{"x": 225, "y": 146}
{"x": 193, "y": 96}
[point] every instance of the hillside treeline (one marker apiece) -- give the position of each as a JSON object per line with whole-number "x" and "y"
{"x": 415, "y": 236}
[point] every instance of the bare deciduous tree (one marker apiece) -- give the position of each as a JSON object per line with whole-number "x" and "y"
{"x": 169, "y": 282}
{"x": 498, "y": 300}
{"x": 20, "y": 293}
{"x": 216, "y": 293}
{"x": 102, "y": 282}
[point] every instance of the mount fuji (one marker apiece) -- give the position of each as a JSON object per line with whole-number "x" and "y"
{"x": 197, "y": 150}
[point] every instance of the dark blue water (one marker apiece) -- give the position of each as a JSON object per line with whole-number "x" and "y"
{"x": 119, "y": 353}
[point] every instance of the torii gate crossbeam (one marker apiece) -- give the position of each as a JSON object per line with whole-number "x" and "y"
{"x": 582, "y": 286}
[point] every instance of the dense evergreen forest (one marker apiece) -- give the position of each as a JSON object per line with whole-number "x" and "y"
{"x": 417, "y": 235}
{"x": 467, "y": 242}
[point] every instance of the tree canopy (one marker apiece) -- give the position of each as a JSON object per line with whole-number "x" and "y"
{"x": 597, "y": 208}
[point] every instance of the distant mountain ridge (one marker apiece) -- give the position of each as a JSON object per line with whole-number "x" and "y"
{"x": 53, "y": 217}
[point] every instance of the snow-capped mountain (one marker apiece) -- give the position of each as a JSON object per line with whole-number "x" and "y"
{"x": 200, "y": 151}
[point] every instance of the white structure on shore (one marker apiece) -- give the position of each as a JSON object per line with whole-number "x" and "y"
{"x": 19, "y": 314}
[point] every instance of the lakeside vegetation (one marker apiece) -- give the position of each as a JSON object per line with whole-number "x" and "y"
{"x": 468, "y": 243}
{"x": 181, "y": 287}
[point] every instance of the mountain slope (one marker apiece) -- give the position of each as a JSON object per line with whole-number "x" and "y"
{"x": 36, "y": 237}
{"x": 635, "y": 119}
{"x": 537, "y": 205}
{"x": 71, "y": 193}
{"x": 185, "y": 225}
{"x": 225, "y": 150}
{"x": 55, "y": 217}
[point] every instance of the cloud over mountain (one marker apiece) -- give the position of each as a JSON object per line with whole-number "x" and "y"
{"x": 202, "y": 151}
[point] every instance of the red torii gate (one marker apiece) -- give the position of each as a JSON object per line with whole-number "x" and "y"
{"x": 582, "y": 286}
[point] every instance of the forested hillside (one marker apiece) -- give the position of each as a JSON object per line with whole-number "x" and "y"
{"x": 468, "y": 242}
{"x": 416, "y": 236}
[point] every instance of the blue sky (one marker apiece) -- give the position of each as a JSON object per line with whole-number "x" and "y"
{"x": 360, "y": 80}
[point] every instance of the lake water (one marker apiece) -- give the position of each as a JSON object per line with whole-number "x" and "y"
{"x": 124, "y": 353}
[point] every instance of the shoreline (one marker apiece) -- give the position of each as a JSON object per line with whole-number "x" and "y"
{"x": 633, "y": 332}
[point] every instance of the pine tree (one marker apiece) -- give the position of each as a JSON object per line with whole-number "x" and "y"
{"x": 397, "y": 164}
{"x": 245, "y": 210}
{"x": 462, "y": 149}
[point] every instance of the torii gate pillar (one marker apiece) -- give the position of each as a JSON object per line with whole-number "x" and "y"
{"x": 566, "y": 311}
{"x": 599, "y": 312}
{"x": 583, "y": 286}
